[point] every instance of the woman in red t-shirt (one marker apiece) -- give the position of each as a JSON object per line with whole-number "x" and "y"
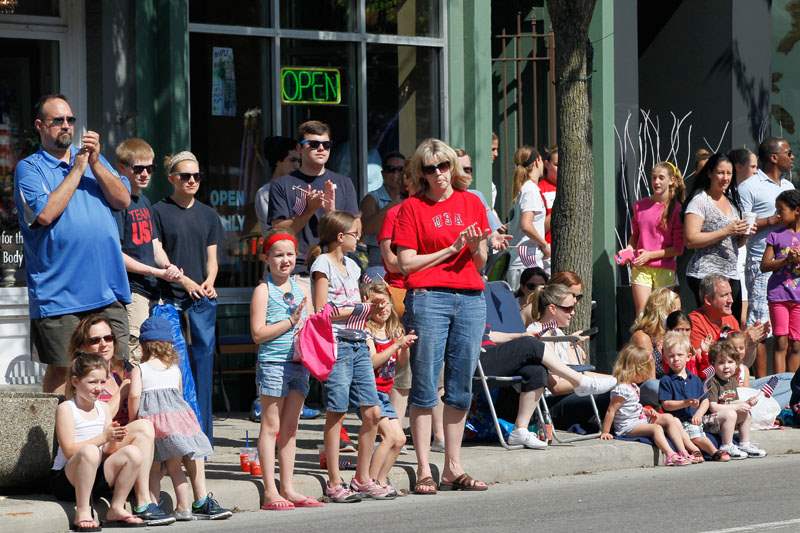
{"x": 440, "y": 235}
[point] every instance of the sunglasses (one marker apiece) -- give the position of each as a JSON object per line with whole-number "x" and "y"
{"x": 442, "y": 167}
{"x": 94, "y": 341}
{"x": 468, "y": 170}
{"x": 531, "y": 286}
{"x": 566, "y": 308}
{"x": 390, "y": 169}
{"x": 138, "y": 169}
{"x": 186, "y": 176}
{"x": 58, "y": 121}
{"x": 326, "y": 145}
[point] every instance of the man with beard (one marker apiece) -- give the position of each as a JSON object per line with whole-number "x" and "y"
{"x": 64, "y": 196}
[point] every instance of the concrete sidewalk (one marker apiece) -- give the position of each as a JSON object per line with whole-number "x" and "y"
{"x": 491, "y": 463}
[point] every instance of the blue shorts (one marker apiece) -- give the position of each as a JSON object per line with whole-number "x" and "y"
{"x": 278, "y": 379}
{"x": 387, "y": 409}
{"x": 449, "y": 325}
{"x": 352, "y": 379}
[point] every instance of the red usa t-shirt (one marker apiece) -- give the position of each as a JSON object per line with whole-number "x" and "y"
{"x": 387, "y": 230}
{"x": 427, "y": 227}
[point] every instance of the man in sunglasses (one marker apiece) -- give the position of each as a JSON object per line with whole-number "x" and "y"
{"x": 375, "y": 204}
{"x": 283, "y": 159}
{"x": 64, "y": 195}
{"x": 144, "y": 257}
{"x": 298, "y": 200}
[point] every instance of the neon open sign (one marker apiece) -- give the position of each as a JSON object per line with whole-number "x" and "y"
{"x": 310, "y": 85}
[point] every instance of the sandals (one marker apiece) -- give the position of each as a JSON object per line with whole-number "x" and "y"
{"x": 93, "y": 528}
{"x": 127, "y": 521}
{"x": 675, "y": 459}
{"x": 464, "y": 483}
{"x": 721, "y": 456}
{"x": 425, "y": 486}
{"x": 308, "y": 502}
{"x": 278, "y": 505}
{"x": 697, "y": 457}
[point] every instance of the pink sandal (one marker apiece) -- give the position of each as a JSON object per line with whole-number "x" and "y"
{"x": 675, "y": 459}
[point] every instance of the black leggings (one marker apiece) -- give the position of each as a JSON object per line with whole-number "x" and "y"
{"x": 519, "y": 357}
{"x": 736, "y": 292}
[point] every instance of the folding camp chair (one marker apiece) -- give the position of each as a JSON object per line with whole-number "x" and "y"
{"x": 502, "y": 312}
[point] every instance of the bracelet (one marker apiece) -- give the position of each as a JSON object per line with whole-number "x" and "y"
{"x": 291, "y": 324}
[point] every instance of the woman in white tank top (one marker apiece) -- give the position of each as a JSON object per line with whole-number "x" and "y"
{"x": 84, "y": 431}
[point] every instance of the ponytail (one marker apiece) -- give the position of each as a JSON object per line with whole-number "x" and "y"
{"x": 330, "y": 226}
{"x": 524, "y": 158}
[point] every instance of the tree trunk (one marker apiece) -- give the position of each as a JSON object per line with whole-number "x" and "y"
{"x": 574, "y": 207}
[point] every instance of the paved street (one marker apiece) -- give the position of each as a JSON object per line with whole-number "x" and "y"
{"x": 753, "y": 495}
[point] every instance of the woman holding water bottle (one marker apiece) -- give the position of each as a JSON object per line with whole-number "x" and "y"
{"x": 713, "y": 226}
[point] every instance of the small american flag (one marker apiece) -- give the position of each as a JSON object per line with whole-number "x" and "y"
{"x": 546, "y": 326}
{"x": 366, "y": 278}
{"x": 300, "y": 201}
{"x": 769, "y": 387}
{"x": 358, "y": 320}
{"x": 708, "y": 373}
{"x": 527, "y": 254}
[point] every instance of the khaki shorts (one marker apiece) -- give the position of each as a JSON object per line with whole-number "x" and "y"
{"x": 138, "y": 311}
{"x": 50, "y": 336}
{"x": 398, "y": 301}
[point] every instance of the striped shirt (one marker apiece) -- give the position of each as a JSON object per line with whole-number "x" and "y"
{"x": 279, "y": 307}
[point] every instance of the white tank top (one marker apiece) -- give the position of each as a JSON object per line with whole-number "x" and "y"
{"x": 83, "y": 429}
{"x": 160, "y": 378}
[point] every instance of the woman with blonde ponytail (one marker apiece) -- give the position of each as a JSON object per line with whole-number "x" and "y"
{"x": 527, "y": 224}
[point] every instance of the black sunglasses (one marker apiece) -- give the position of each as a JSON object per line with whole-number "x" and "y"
{"x": 58, "y": 121}
{"x": 390, "y": 169}
{"x": 326, "y": 145}
{"x": 566, "y": 308}
{"x": 442, "y": 167}
{"x": 138, "y": 169}
{"x": 185, "y": 176}
{"x": 468, "y": 170}
{"x": 94, "y": 341}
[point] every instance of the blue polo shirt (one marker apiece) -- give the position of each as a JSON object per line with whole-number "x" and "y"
{"x": 674, "y": 387}
{"x": 75, "y": 264}
{"x": 757, "y": 195}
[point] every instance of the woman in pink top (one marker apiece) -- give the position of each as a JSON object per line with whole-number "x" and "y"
{"x": 657, "y": 234}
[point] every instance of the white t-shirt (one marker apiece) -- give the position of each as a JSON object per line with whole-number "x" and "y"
{"x": 529, "y": 200}
{"x": 342, "y": 290}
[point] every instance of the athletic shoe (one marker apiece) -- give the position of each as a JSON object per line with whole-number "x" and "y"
{"x": 526, "y": 438}
{"x": 210, "y": 510}
{"x": 308, "y": 413}
{"x": 183, "y": 516}
{"x": 370, "y": 489}
{"x": 591, "y": 385}
{"x": 255, "y": 411}
{"x": 154, "y": 516}
{"x": 751, "y": 450}
{"x": 339, "y": 493}
{"x": 734, "y": 451}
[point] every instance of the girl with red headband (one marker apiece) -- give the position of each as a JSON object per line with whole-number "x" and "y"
{"x": 278, "y": 304}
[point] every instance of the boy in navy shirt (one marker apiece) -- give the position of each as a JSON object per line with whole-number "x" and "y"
{"x": 684, "y": 395}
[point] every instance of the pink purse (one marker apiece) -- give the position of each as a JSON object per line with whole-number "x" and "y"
{"x": 315, "y": 344}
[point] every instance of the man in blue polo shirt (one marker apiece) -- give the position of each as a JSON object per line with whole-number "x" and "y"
{"x": 64, "y": 197}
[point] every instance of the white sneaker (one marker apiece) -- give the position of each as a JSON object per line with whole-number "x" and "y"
{"x": 526, "y": 438}
{"x": 591, "y": 385}
{"x": 751, "y": 450}
{"x": 734, "y": 451}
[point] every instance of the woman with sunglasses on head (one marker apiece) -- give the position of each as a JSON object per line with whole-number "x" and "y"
{"x": 441, "y": 239}
{"x": 527, "y": 224}
{"x": 93, "y": 335}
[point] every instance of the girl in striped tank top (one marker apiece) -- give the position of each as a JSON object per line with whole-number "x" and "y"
{"x": 388, "y": 345}
{"x": 278, "y": 304}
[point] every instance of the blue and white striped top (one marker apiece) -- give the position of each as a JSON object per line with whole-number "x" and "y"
{"x": 279, "y": 307}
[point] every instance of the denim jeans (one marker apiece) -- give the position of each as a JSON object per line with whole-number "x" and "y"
{"x": 449, "y": 325}
{"x": 202, "y": 317}
{"x": 783, "y": 390}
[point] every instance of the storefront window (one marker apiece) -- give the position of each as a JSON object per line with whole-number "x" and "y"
{"x": 341, "y": 117}
{"x": 402, "y": 98}
{"x": 229, "y": 107}
{"x": 403, "y": 17}
{"x": 28, "y": 68}
{"x": 230, "y": 12}
{"x": 327, "y": 15}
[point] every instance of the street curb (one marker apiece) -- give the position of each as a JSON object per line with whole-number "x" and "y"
{"x": 492, "y": 464}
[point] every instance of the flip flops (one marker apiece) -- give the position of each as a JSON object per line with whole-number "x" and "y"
{"x": 308, "y": 502}
{"x": 86, "y": 529}
{"x": 278, "y": 505}
{"x": 128, "y": 521}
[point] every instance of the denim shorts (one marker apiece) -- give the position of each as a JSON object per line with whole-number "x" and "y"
{"x": 278, "y": 379}
{"x": 693, "y": 430}
{"x": 387, "y": 409}
{"x": 352, "y": 379}
{"x": 449, "y": 325}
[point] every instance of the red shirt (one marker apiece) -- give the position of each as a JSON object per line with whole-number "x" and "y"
{"x": 393, "y": 279}
{"x": 548, "y": 191}
{"x": 427, "y": 227}
{"x": 702, "y": 327}
{"x": 384, "y": 375}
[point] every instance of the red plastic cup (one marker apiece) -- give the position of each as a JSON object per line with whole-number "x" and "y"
{"x": 244, "y": 460}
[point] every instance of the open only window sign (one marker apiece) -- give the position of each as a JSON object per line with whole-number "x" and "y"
{"x": 311, "y": 85}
